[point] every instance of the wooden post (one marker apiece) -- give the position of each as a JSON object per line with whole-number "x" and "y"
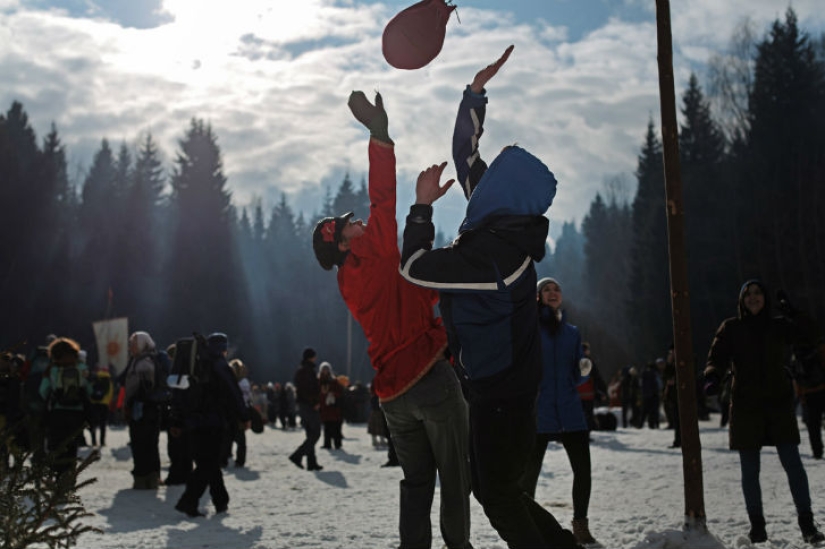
{"x": 680, "y": 294}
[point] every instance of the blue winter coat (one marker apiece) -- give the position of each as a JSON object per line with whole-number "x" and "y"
{"x": 486, "y": 278}
{"x": 559, "y": 408}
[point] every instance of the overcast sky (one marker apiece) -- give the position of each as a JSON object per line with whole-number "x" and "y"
{"x": 273, "y": 76}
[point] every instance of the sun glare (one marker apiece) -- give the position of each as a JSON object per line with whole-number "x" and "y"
{"x": 204, "y": 37}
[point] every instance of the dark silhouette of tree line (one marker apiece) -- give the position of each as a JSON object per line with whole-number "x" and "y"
{"x": 753, "y": 168}
{"x": 169, "y": 250}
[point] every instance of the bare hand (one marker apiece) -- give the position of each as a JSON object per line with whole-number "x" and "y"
{"x": 428, "y": 188}
{"x": 484, "y": 75}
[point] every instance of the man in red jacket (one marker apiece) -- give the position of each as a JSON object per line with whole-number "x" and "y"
{"x": 418, "y": 388}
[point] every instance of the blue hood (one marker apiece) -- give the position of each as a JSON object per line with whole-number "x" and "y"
{"x": 516, "y": 183}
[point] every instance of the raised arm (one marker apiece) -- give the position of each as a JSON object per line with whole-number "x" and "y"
{"x": 469, "y": 126}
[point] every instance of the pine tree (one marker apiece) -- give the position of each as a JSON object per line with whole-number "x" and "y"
{"x": 709, "y": 212}
{"x": 346, "y": 200}
{"x": 783, "y": 171}
{"x": 649, "y": 300}
{"x": 204, "y": 291}
{"x": 99, "y": 228}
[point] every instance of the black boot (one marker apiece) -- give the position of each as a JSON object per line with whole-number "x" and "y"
{"x": 191, "y": 510}
{"x": 312, "y": 464}
{"x": 809, "y": 532}
{"x": 757, "y": 533}
{"x": 296, "y": 459}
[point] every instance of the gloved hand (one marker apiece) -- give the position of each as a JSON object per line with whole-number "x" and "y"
{"x": 784, "y": 304}
{"x": 585, "y": 365}
{"x": 711, "y": 386}
{"x": 373, "y": 117}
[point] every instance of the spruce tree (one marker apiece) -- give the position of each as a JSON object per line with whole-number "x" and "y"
{"x": 783, "y": 171}
{"x": 204, "y": 291}
{"x": 649, "y": 299}
{"x": 709, "y": 212}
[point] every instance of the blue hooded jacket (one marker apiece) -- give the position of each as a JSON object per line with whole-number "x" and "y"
{"x": 486, "y": 277}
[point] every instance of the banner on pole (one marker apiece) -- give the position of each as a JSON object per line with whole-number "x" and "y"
{"x": 112, "y": 337}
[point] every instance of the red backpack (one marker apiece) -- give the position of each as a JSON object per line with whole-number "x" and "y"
{"x": 414, "y": 36}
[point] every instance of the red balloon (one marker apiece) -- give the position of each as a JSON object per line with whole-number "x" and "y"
{"x": 414, "y": 37}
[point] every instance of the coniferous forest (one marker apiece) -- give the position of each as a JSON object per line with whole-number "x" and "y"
{"x": 166, "y": 247}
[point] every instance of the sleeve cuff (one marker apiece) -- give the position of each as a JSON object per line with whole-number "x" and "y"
{"x": 420, "y": 213}
{"x": 469, "y": 93}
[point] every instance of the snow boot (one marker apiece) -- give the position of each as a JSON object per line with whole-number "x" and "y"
{"x": 581, "y": 532}
{"x": 312, "y": 465}
{"x": 809, "y": 532}
{"x": 189, "y": 510}
{"x": 296, "y": 459}
{"x": 758, "y": 534}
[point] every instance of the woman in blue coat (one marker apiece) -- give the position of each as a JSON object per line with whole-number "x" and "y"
{"x": 560, "y": 415}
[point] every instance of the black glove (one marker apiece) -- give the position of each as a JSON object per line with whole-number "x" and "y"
{"x": 711, "y": 386}
{"x": 783, "y": 303}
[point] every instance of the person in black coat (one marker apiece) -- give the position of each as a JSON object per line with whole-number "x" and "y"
{"x": 308, "y": 398}
{"x": 215, "y": 402}
{"x": 753, "y": 346}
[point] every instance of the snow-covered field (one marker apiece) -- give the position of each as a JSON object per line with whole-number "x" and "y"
{"x": 637, "y": 501}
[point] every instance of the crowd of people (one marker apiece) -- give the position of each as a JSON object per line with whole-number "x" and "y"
{"x": 471, "y": 398}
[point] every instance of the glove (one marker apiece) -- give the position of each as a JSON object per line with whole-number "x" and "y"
{"x": 585, "y": 365}
{"x": 373, "y": 117}
{"x": 711, "y": 386}
{"x": 784, "y": 304}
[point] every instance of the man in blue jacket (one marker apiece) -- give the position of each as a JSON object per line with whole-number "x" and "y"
{"x": 487, "y": 280}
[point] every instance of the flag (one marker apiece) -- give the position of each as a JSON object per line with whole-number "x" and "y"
{"x": 112, "y": 337}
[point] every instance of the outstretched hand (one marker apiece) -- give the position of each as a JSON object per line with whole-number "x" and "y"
{"x": 428, "y": 188}
{"x": 487, "y": 73}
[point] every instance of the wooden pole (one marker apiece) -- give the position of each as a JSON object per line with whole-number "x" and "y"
{"x": 680, "y": 294}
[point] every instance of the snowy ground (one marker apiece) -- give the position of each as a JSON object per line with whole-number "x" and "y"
{"x": 637, "y": 501}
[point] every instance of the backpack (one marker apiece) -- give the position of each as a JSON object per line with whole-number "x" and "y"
{"x": 33, "y": 403}
{"x": 68, "y": 391}
{"x": 190, "y": 377}
{"x": 100, "y": 386}
{"x": 160, "y": 393}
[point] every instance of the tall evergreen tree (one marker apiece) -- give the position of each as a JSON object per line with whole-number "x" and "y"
{"x": 346, "y": 200}
{"x": 649, "y": 300}
{"x": 99, "y": 228}
{"x": 783, "y": 171}
{"x": 53, "y": 231}
{"x": 709, "y": 211}
{"x": 204, "y": 293}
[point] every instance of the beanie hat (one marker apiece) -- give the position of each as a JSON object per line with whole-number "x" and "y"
{"x": 309, "y": 353}
{"x": 544, "y": 282}
{"x": 217, "y": 343}
{"x": 325, "y": 239}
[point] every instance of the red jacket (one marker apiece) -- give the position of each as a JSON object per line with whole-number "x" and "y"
{"x": 397, "y": 318}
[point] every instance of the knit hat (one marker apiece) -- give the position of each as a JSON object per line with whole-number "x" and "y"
{"x": 217, "y": 343}
{"x": 309, "y": 353}
{"x": 325, "y": 239}
{"x": 544, "y": 282}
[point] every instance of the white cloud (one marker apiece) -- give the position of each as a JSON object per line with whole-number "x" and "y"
{"x": 274, "y": 82}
